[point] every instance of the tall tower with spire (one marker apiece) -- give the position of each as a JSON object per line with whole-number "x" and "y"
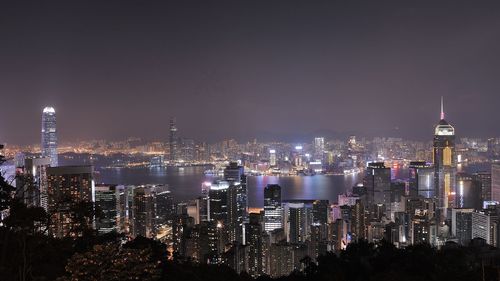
{"x": 444, "y": 164}
{"x": 49, "y": 135}
{"x": 173, "y": 140}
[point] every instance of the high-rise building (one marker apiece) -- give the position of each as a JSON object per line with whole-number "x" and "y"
{"x": 49, "y": 135}
{"x": 237, "y": 212}
{"x": 444, "y": 164}
{"x": 298, "y": 218}
{"x": 107, "y": 200}
{"x": 31, "y": 178}
{"x": 421, "y": 179}
{"x": 253, "y": 241}
{"x": 485, "y": 179}
{"x": 321, "y": 209}
{"x": 165, "y": 208}
{"x": 272, "y": 157}
{"x": 144, "y": 211}
{"x": 173, "y": 141}
{"x": 377, "y": 182}
{"x": 485, "y": 225}
{"x": 319, "y": 148}
{"x": 461, "y": 225}
{"x": 218, "y": 202}
{"x": 495, "y": 182}
{"x": 273, "y": 212}
{"x": 468, "y": 194}
{"x": 67, "y": 187}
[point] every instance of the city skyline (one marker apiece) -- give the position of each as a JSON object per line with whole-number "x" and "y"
{"x": 292, "y": 138}
{"x": 379, "y": 71}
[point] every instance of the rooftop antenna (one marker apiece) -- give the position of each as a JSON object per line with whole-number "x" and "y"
{"x": 442, "y": 109}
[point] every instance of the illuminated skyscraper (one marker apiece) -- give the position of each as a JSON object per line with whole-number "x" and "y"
{"x": 237, "y": 212}
{"x": 444, "y": 164}
{"x": 107, "y": 200}
{"x": 67, "y": 188}
{"x": 319, "y": 148}
{"x": 273, "y": 213}
{"x": 421, "y": 179}
{"x": 173, "y": 140}
{"x": 495, "y": 182}
{"x": 272, "y": 157}
{"x": 31, "y": 178}
{"x": 377, "y": 182}
{"x": 49, "y": 135}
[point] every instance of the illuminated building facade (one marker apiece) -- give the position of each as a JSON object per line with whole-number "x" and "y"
{"x": 67, "y": 187}
{"x": 49, "y": 135}
{"x": 444, "y": 164}
{"x": 173, "y": 141}
{"x": 272, "y": 207}
{"x": 107, "y": 200}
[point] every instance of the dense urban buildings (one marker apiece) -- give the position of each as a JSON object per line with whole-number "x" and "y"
{"x": 405, "y": 193}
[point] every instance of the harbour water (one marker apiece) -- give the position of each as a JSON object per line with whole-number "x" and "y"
{"x": 185, "y": 183}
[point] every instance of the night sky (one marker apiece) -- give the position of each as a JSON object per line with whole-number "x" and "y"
{"x": 267, "y": 69}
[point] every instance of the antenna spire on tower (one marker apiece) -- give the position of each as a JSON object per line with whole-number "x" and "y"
{"x": 442, "y": 109}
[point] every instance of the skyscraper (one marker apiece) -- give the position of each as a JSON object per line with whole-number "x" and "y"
{"x": 444, "y": 164}
{"x": 377, "y": 182}
{"x": 237, "y": 212}
{"x": 173, "y": 140}
{"x": 107, "y": 200}
{"x": 272, "y": 157}
{"x": 67, "y": 188}
{"x": 495, "y": 182}
{"x": 421, "y": 179}
{"x": 31, "y": 179}
{"x": 49, "y": 135}
{"x": 319, "y": 148}
{"x": 272, "y": 207}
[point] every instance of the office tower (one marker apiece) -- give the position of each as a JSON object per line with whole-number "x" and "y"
{"x": 143, "y": 211}
{"x": 31, "y": 178}
{"x": 204, "y": 248}
{"x": 285, "y": 258}
{"x": 398, "y": 191}
{"x": 297, "y": 156}
{"x": 461, "y": 225}
{"x": 319, "y": 148}
{"x": 165, "y": 207}
{"x": 468, "y": 192}
{"x": 237, "y": 212}
{"x": 340, "y": 234}
{"x": 485, "y": 179}
{"x": 421, "y": 175}
{"x": 495, "y": 182}
{"x": 67, "y": 188}
{"x": 125, "y": 202}
{"x": 254, "y": 243}
{"x": 297, "y": 220}
{"x": 218, "y": 202}
{"x": 49, "y": 135}
{"x": 295, "y": 223}
{"x": 358, "y": 221}
{"x": 107, "y": 203}
{"x": 236, "y": 257}
{"x": 377, "y": 182}
{"x": 485, "y": 225}
{"x": 273, "y": 212}
{"x": 320, "y": 209}
{"x": 444, "y": 164}
{"x": 420, "y": 230}
{"x": 272, "y": 157}
{"x": 173, "y": 141}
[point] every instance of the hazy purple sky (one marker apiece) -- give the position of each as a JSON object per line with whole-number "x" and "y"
{"x": 265, "y": 69}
